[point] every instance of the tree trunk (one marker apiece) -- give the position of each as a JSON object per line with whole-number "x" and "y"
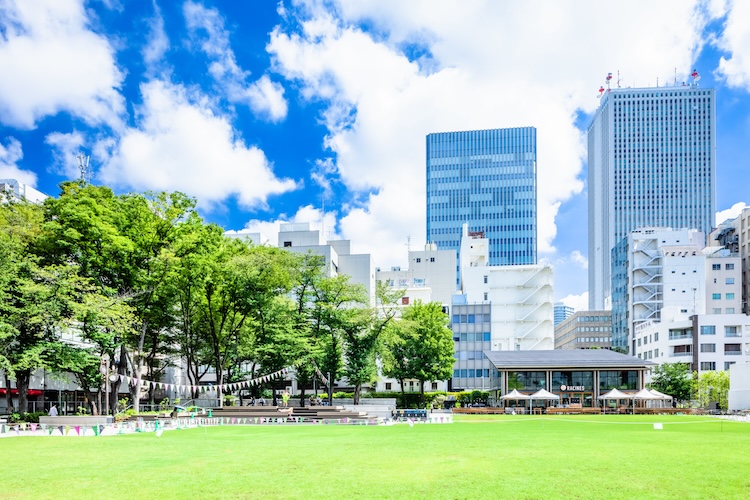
{"x": 403, "y": 393}
{"x": 137, "y": 367}
{"x": 22, "y": 384}
{"x": 421, "y": 393}
{"x": 8, "y": 396}
{"x": 357, "y": 392}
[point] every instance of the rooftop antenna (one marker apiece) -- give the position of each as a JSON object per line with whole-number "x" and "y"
{"x": 408, "y": 243}
{"x": 618, "y": 79}
{"x": 675, "y": 77}
{"x": 83, "y": 166}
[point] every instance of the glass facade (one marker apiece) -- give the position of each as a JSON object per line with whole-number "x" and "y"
{"x": 620, "y": 296}
{"x": 621, "y": 379}
{"x": 471, "y": 326}
{"x": 652, "y": 157}
{"x": 486, "y": 178}
{"x": 527, "y": 381}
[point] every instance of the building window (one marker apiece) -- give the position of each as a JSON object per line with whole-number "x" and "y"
{"x": 716, "y": 310}
{"x": 708, "y": 330}
{"x": 732, "y": 331}
{"x": 404, "y": 301}
{"x": 729, "y": 267}
{"x": 432, "y": 259}
{"x": 388, "y": 386}
{"x": 715, "y": 267}
{"x": 727, "y": 364}
{"x": 708, "y": 365}
{"x": 716, "y": 296}
{"x": 708, "y": 347}
{"x": 434, "y": 386}
{"x": 732, "y": 349}
{"x": 486, "y": 295}
{"x": 729, "y": 310}
{"x": 287, "y": 244}
{"x": 730, "y": 296}
{"x": 419, "y": 260}
{"x": 729, "y": 281}
{"x": 486, "y": 278}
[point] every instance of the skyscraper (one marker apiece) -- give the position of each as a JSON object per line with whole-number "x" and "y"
{"x": 652, "y": 162}
{"x": 486, "y": 178}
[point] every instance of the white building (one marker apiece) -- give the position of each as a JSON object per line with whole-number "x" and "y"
{"x": 652, "y": 162}
{"x": 654, "y": 268}
{"x": 705, "y": 341}
{"x": 734, "y": 234}
{"x": 301, "y": 238}
{"x": 430, "y": 276}
{"x": 498, "y": 308}
{"x": 21, "y": 191}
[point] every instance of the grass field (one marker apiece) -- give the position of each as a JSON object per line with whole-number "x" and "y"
{"x": 476, "y": 457}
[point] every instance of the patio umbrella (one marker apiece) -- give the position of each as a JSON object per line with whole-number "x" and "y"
{"x": 542, "y": 394}
{"x": 644, "y": 394}
{"x": 614, "y": 394}
{"x": 515, "y": 396}
{"x": 661, "y": 395}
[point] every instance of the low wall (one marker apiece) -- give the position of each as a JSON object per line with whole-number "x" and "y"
{"x": 383, "y": 411}
{"x": 76, "y": 420}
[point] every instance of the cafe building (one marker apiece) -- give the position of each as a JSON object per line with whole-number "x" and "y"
{"x": 577, "y": 376}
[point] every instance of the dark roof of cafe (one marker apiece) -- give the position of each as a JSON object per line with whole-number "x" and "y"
{"x": 565, "y": 359}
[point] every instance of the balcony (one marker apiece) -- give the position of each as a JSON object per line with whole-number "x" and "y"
{"x": 683, "y": 354}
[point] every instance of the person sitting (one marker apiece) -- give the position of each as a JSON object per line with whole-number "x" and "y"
{"x": 262, "y": 401}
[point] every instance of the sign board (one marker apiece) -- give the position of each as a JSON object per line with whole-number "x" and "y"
{"x": 572, "y": 388}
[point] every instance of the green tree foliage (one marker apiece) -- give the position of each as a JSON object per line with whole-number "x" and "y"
{"x": 35, "y": 298}
{"x": 420, "y": 346}
{"x": 712, "y": 386}
{"x": 673, "y": 379}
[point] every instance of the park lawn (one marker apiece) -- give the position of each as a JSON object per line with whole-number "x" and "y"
{"x": 476, "y": 457}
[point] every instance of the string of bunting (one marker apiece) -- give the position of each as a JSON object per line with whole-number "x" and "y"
{"x": 234, "y": 386}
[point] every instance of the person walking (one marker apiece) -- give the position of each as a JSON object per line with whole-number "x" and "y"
{"x": 52, "y": 410}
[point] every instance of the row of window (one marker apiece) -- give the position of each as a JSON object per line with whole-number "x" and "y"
{"x": 472, "y": 337}
{"x": 593, "y": 339}
{"x": 711, "y": 365}
{"x": 729, "y": 331}
{"x": 471, "y": 372}
{"x": 591, "y": 319}
{"x": 727, "y": 296}
{"x": 717, "y": 267}
{"x": 471, "y": 318}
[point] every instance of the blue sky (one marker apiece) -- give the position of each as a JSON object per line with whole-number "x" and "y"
{"x": 267, "y": 112}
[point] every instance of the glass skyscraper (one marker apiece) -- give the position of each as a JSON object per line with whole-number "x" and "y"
{"x": 487, "y": 179}
{"x": 652, "y": 162}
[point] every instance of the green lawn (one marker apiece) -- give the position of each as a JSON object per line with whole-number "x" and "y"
{"x": 476, "y": 457}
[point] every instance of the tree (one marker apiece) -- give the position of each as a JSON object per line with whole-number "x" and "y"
{"x": 362, "y": 331}
{"x": 35, "y": 298}
{"x": 673, "y": 379}
{"x": 712, "y": 386}
{"x": 419, "y": 346}
{"x": 433, "y": 350}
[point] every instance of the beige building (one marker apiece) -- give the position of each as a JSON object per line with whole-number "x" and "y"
{"x": 585, "y": 330}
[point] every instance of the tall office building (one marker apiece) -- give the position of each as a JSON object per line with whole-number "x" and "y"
{"x": 652, "y": 162}
{"x": 487, "y": 179}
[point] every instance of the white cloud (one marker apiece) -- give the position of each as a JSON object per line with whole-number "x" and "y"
{"x": 181, "y": 144}
{"x": 157, "y": 42}
{"x": 579, "y": 259}
{"x": 735, "y": 39}
{"x": 270, "y": 229}
{"x": 10, "y": 154}
{"x": 65, "y": 148}
{"x": 264, "y": 97}
{"x": 536, "y": 64}
{"x": 577, "y": 302}
{"x": 730, "y": 213}
{"x": 51, "y": 61}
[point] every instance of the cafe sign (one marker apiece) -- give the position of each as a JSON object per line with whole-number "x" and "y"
{"x": 571, "y": 388}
